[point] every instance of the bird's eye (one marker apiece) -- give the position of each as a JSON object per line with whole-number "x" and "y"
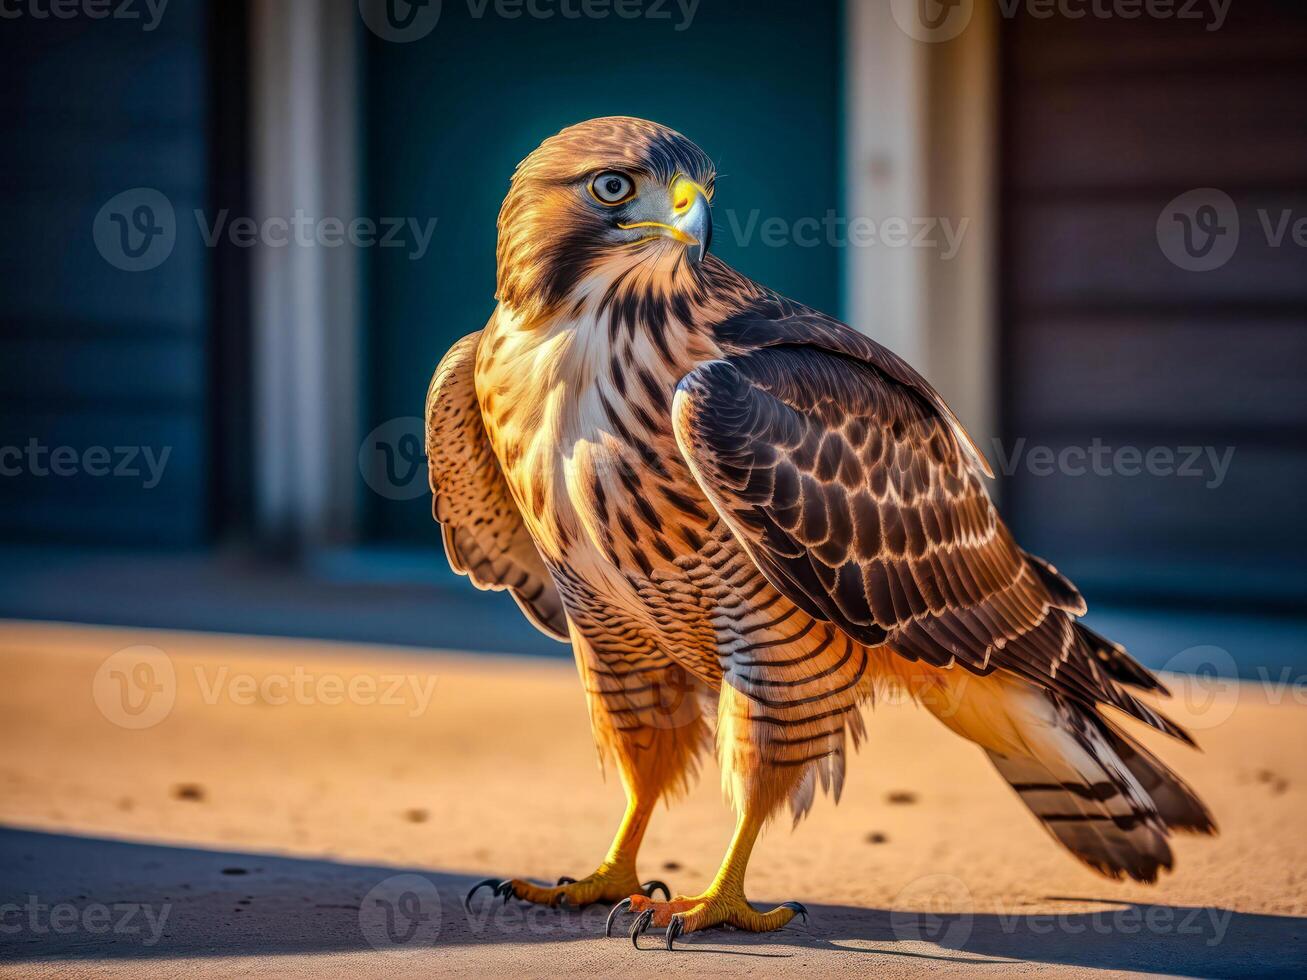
{"x": 612, "y": 188}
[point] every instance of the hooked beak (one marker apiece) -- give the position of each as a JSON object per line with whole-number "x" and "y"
{"x": 691, "y": 219}
{"x": 694, "y": 215}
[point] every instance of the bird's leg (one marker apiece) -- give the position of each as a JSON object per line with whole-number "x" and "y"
{"x": 647, "y": 717}
{"x": 760, "y": 779}
{"x": 723, "y": 903}
{"x": 614, "y": 879}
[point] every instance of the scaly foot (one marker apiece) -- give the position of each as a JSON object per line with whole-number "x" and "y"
{"x": 605, "y": 885}
{"x": 713, "y": 908}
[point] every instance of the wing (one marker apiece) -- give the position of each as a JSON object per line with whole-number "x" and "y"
{"x": 771, "y": 320}
{"x": 484, "y": 536}
{"x": 850, "y": 489}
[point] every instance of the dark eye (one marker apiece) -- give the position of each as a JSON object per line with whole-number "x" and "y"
{"x": 612, "y": 187}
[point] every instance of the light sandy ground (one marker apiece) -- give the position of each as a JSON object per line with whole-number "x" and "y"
{"x": 240, "y": 836}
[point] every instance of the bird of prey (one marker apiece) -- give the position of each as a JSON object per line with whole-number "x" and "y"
{"x": 748, "y": 519}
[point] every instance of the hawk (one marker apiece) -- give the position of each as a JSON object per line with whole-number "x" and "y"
{"x": 749, "y": 519}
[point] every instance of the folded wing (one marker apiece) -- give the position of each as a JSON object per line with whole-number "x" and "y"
{"x": 484, "y": 536}
{"x": 851, "y": 489}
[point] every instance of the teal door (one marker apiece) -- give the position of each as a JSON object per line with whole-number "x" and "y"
{"x": 448, "y": 116}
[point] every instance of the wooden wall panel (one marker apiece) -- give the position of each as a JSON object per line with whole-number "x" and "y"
{"x": 1106, "y": 340}
{"x": 1114, "y": 371}
{"x": 90, "y": 355}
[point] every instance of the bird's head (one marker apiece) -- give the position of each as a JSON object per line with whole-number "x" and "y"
{"x": 596, "y": 200}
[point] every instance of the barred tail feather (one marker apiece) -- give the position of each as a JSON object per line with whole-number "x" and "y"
{"x": 1178, "y": 805}
{"x": 1096, "y": 791}
{"x": 1085, "y": 804}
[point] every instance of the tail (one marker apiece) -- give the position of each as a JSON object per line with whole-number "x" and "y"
{"x": 1096, "y": 790}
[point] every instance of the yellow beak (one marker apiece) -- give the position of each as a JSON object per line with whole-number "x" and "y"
{"x": 690, "y": 219}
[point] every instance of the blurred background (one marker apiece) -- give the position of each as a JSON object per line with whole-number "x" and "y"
{"x": 242, "y": 234}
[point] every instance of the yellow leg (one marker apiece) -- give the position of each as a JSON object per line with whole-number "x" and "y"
{"x": 614, "y": 879}
{"x": 723, "y": 903}
{"x": 647, "y": 717}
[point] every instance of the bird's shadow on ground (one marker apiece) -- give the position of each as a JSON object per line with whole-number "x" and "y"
{"x": 68, "y": 898}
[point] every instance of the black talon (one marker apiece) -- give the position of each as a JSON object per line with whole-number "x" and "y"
{"x": 674, "y": 930}
{"x": 619, "y": 907}
{"x": 506, "y": 889}
{"x": 639, "y": 926}
{"x": 797, "y": 907}
{"x": 491, "y": 883}
{"x": 649, "y": 887}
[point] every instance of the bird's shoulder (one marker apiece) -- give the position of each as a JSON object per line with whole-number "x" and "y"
{"x": 762, "y": 320}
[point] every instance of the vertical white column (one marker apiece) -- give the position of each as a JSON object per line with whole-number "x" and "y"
{"x": 962, "y": 288}
{"x": 885, "y": 173}
{"x": 921, "y": 137}
{"x": 305, "y": 305}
